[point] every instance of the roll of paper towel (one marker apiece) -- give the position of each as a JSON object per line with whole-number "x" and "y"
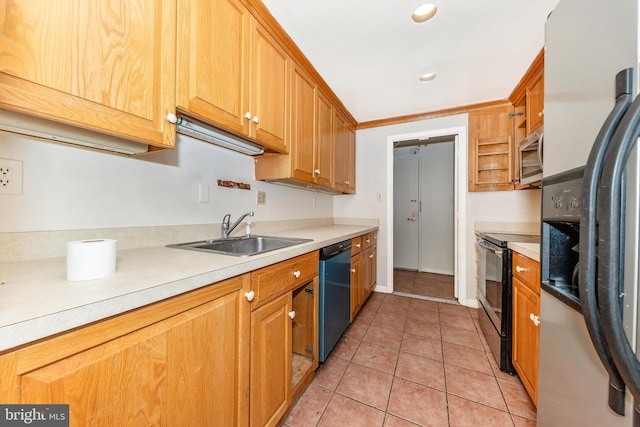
{"x": 90, "y": 259}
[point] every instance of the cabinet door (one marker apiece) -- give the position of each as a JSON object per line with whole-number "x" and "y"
{"x": 269, "y": 81}
{"x": 526, "y": 336}
{"x": 369, "y": 260}
{"x": 324, "y": 141}
{"x": 535, "y": 104}
{"x": 491, "y": 149}
{"x": 104, "y": 66}
{"x": 213, "y": 62}
{"x": 271, "y": 347}
{"x": 186, "y": 370}
{"x": 208, "y": 363}
{"x": 357, "y": 284}
{"x": 302, "y": 126}
{"x": 340, "y": 150}
{"x": 350, "y": 182}
{"x": 122, "y": 382}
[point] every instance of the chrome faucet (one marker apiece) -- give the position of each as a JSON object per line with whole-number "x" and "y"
{"x": 226, "y": 229}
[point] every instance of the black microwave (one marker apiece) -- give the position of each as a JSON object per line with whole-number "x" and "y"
{"x": 531, "y": 158}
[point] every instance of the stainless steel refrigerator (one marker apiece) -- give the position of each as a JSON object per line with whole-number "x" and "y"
{"x": 588, "y": 368}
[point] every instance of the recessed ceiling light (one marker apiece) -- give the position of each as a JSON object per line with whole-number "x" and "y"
{"x": 427, "y": 77}
{"x": 424, "y": 12}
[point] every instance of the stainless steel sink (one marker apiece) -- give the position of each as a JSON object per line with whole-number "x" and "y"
{"x": 241, "y": 246}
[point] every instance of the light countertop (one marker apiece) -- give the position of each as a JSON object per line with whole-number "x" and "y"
{"x": 37, "y": 301}
{"x": 530, "y": 250}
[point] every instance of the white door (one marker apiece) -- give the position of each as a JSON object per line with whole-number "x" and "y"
{"x": 438, "y": 211}
{"x": 406, "y": 205}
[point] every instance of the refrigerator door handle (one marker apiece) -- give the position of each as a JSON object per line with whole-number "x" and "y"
{"x": 588, "y": 235}
{"x": 610, "y": 266}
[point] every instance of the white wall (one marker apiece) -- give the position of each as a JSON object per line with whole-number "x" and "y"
{"x": 374, "y": 162}
{"x": 68, "y": 188}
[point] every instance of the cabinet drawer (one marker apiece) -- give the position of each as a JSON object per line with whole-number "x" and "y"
{"x": 269, "y": 282}
{"x": 356, "y": 245}
{"x": 527, "y": 270}
{"x": 370, "y": 239}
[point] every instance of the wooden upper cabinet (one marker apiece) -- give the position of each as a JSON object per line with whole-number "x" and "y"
{"x": 350, "y": 183}
{"x": 269, "y": 82}
{"x": 303, "y": 147}
{"x": 345, "y": 155}
{"x": 324, "y": 170}
{"x": 340, "y": 149}
{"x": 232, "y": 73}
{"x": 213, "y": 62}
{"x": 535, "y": 103}
{"x": 491, "y": 165}
{"x": 103, "y": 66}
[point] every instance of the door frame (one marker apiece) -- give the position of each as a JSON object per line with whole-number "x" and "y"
{"x": 460, "y": 204}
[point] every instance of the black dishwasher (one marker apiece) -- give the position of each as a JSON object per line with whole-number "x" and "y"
{"x": 335, "y": 296}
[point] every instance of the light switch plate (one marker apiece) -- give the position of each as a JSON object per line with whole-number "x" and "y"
{"x": 203, "y": 193}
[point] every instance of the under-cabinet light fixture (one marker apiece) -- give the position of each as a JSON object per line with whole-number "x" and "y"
{"x": 24, "y": 124}
{"x": 216, "y": 136}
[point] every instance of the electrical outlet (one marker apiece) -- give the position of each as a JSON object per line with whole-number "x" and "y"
{"x": 261, "y": 198}
{"x": 10, "y": 177}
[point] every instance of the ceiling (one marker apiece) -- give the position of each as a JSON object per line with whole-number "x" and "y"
{"x": 371, "y": 53}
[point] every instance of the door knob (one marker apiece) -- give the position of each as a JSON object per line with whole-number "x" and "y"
{"x": 255, "y": 119}
{"x": 247, "y": 115}
{"x": 250, "y": 296}
{"x": 292, "y": 314}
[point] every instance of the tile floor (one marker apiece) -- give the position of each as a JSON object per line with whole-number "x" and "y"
{"x": 431, "y": 285}
{"x": 412, "y": 362}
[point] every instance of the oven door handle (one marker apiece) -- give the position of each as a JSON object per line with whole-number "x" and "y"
{"x": 489, "y": 247}
{"x": 588, "y": 237}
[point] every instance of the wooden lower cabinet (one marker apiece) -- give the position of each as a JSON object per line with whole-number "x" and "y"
{"x": 284, "y": 336}
{"x": 271, "y": 361}
{"x": 363, "y": 270}
{"x": 526, "y": 320}
{"x": 182, "y": 361}
{"x": 369, "y": 261}
{"x": 357, "y": 290}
